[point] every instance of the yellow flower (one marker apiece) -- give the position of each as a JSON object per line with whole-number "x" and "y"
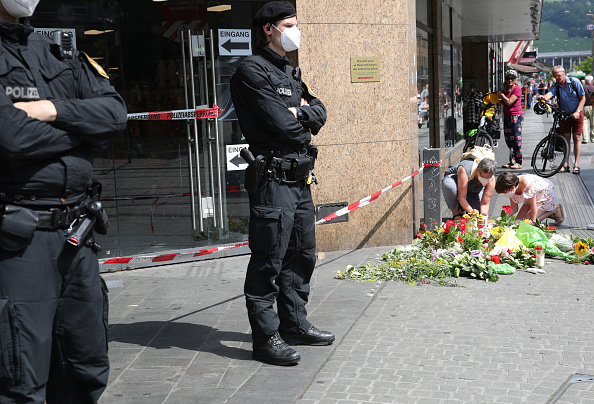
{"x": 580, "y": 247}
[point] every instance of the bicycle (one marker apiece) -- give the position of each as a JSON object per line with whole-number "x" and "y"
{"x": 481, "y": 136}
{"x": 552, "y": 152}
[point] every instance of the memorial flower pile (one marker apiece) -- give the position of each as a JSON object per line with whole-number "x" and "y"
{"x": 474, "y": 246}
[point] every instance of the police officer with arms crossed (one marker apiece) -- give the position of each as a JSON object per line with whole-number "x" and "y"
{"x": 56, "y": 105}
{"x": 278, "y": 114}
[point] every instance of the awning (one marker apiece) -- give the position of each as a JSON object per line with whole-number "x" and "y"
{"x": 500, "y": 20}
{"x": 525, "y": 69}
{"x": 535, "y": 67}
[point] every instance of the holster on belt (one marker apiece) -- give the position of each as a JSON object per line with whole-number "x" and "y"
{"x": 255, "y": 170}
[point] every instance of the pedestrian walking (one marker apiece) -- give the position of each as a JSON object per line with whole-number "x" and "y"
{"x": 571, "y": 97}
{"x": 513, "y": 118}
{"x": 473, "y": 101}
{"x": 56, "y": 106}
{"x": 278, "y": 114}
{"x": 588, "y": 135}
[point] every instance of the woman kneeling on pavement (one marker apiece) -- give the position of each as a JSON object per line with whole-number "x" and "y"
{"x": 469, "y": 186}
{"x": 537, "y": 196}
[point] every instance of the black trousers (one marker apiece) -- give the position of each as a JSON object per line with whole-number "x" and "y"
{"x": 283, "y": 242}
{"x": 53, "y": 323}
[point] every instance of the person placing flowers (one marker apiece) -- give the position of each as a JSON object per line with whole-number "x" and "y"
{"x": 535, "y": 194}
{"x": 468, "y": 186}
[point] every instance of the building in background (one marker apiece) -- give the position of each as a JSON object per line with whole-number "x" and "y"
{"x": 177, "y": 185}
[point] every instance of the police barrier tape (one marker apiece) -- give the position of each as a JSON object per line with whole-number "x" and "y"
{"x": 192, "y": 254}
{"x": 180, "y": 114}
{"x": 366, "y": 201}
{"x": 169, "y": 257}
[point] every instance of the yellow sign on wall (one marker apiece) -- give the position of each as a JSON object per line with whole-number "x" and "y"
{"x": 364, "y": 69}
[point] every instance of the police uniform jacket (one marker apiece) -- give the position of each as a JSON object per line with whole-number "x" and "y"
{"x": 263, "y": 88}
{"x": 50, "y": 163}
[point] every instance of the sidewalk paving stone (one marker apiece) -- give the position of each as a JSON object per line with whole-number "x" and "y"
{"x": 179, "y": 333}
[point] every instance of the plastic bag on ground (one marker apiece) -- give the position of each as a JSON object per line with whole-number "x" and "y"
{"x": 529, "y": 234}
{"x": 510, "y": 241}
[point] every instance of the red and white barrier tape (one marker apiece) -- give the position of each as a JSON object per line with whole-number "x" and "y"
{"x": 169, "y": 257}
{"x": 192, "y": 254}
{"x": 177, "y": 115}
{"x": 366, "y": 201}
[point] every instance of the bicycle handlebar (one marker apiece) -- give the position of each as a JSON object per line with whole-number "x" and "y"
{"x": 556, "y": 109}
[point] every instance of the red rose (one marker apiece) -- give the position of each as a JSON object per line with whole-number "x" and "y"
{"x": 418, "y": 235}
{"x": 552, "y": 228}
{"x": 507, "y": 209}
{"x": 448, "y": 224}
{"x": 496, "y": 259}
{"x": 423, "y": 225}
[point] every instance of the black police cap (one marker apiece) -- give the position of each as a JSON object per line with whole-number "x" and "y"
{"x": 273, "y": 12}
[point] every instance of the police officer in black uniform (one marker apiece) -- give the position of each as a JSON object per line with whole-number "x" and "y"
{"x": 278, "y": 114}
{"x": 56, "y": 106}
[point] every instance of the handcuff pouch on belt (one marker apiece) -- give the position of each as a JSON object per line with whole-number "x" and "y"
{"x": 17, "y": 226}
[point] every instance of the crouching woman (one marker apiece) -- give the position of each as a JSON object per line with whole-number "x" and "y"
{"x": 468, "y": 186}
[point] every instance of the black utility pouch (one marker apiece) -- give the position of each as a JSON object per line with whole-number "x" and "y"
{"x": 299, "y": 168}
{"x": 17, "y": 226}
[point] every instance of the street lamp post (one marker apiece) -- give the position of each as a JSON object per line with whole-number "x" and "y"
{"x": 592, "y": 51}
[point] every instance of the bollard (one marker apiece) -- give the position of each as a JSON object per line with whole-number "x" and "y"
{"x": 432, "y": 188}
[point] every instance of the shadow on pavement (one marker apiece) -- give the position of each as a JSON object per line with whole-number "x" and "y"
{"x": 188, "y": 336}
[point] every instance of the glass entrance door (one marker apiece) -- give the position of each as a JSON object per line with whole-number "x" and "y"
{"x": 167, "y": 185}
{"x": 179, "y": 184}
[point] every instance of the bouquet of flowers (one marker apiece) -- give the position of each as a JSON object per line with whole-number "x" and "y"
{"x": 472, "y": 246}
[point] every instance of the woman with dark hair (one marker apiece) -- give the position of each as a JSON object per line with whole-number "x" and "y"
{"x": 536, "y": 194}
{"x": 513, "y": 118}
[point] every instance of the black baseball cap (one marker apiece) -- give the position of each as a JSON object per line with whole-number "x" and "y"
{"x": 273, "y": 12}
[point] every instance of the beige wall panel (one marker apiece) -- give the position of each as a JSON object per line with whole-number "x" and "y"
{"x": 358, "y": 112}
{"x": 348, "y": 174}
{"x": 355, "y": 12}
{"x": 370, "y": 139}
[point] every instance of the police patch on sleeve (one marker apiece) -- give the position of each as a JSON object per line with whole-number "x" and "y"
{"x": 96, "y": 66}
{"x": 308, "y": 89}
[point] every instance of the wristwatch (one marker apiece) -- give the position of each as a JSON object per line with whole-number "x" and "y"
{"x": 299, "y": 114}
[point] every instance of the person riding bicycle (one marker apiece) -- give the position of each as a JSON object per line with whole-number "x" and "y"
{"x": 513, "y": 118}
{"x": 571, "y": 97}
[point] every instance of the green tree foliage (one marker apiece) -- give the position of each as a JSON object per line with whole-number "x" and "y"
{"x": 570, "y": 15}
{"x": 585, "y": 66}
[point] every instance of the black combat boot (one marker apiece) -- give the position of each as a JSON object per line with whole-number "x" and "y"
{"x": 313, "y": 336}
{"x": 276, "y": 351}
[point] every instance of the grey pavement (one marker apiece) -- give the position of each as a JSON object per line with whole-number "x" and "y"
{"x": 179, "y": 333}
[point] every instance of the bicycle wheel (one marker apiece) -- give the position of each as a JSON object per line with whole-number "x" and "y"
{"x": 550, "y": 155}
{"x": 480, "y": 139}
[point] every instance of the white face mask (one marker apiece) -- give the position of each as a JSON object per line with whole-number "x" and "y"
{"x": 483, "y": 181}
{"x": 20, "y": 8}
{"x": 290, "y": 38}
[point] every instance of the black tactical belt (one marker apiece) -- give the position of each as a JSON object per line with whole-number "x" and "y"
{"x": 58, "y": 218}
